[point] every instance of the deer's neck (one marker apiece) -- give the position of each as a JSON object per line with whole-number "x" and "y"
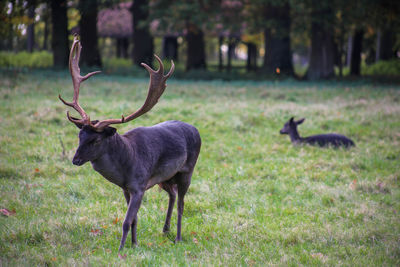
{"x": 118, "y": 156}
{"x": 294, "y": 136}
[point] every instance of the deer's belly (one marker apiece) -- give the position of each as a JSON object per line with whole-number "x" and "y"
{"x": 166, "y": 172}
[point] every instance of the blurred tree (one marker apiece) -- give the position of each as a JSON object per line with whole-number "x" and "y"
{"x": 115, "y": 21}
{"x": 385, "y": 16}
{"x": 143, "y": 47}
{"x": 273, "y": 18}
{"x": 59, "y": 41}
{"x": 252, "y": 41}
{"x": 229, "y": 24}
{"x": 31, "y": 26}
{"x": 170, "y": 47}
{"x": 88, "y": 32}
{"x": 322, "y": 46}
{"x": 356, "y": 49}
{"x": 46, "y": 22}
{"x": 12, "y": 27}
{"x": 278, "y": 55}
{"x": 190, "y": 17}
{"x": 6, "y": 26}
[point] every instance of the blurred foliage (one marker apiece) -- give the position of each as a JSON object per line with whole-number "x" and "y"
{"x": 382, "y": 68}
{"x": 121, "y": 66}
{"x": 25, "y": 59}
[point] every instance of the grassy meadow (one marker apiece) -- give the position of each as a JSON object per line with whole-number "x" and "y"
{"x": 255, "y": 199}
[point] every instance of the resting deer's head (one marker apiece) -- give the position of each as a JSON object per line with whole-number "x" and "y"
{"x": 290, "y": 125}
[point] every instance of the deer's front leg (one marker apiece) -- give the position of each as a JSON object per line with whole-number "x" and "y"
{"x": 131, "y": 215}
{"x": 134, "y": 223}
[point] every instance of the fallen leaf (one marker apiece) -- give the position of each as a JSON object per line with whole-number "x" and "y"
{"x": 104, "y": 226}
{"x": 239, "y": 148}
{"x": 193, "y": 233}
{"x": 353, "y": 185}
{"x": 320, "y": 256}
{"x": 37, "y": 170}
{"x": 54, "y": 259}
{"x": 116, "y": 220}
{"x": 95, "y": 232}
{"x": 149, "y": 244}
{"x": 122, "y": 257}
{"x": 7, "y": 212}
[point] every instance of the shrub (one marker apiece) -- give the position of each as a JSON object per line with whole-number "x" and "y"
{"x": 383, "y": 68}
{"x": 24, "y": 59}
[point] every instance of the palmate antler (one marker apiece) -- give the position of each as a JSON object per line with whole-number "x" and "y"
{"x": 156, "y": 89}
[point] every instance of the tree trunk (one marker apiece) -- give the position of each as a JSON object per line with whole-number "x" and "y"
{"x": 46, "y": 27}
{"x": 349, "y": 50}
{"x": 355, "y": 60}
{"x": 31, "y": 26}
{"x": 88, "y": 30}
{"x": 196, "y": 56}
{"x": 384, "y": 45}
{"x": 122, "y": 47}
{"x": 220, "y": 62}
{"x": 142, "y": 40}
{"x": 322, "y": 46}
{"x": 170, "y": 47}
{"x": 59, "y": 42}
{"x": 231, "y": 52}
{"x": 277, "y": 40}
{"x": 251, "y": 57}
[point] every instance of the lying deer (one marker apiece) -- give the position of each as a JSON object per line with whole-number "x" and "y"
{"x": 164, "y": 154}
{"x": 335, "y": 140}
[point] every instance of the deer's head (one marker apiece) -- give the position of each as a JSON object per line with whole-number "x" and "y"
{"x": 291, "y": 125}
{"x": 93, "y": 134}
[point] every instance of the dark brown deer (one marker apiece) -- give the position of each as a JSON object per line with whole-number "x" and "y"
{"x": 323, "y": 140}
{"x": 164, "y": 154}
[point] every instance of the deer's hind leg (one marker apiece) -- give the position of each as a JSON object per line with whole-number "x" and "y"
{"x": 183, "y": 181}
{"x": 170, "y": 188}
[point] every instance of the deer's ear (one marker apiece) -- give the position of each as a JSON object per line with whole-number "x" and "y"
{"x": 109, "y": 131}
{"x": 300, "y": 121}
{"x": 291, "y": 119}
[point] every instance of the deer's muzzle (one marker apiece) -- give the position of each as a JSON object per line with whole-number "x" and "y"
{"x": 77, "y": 161}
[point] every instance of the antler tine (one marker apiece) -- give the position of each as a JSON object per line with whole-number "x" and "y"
{"x": 161, "y": 69}
{"x": 77, "y": 79}
{"x": 156, "y": 89}
{"x": 171, "y": 70}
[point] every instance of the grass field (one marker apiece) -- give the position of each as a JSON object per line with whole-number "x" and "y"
{"x": 255, "y": 199}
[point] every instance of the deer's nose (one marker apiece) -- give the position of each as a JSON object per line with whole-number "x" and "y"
{"x": 77, "y": 161}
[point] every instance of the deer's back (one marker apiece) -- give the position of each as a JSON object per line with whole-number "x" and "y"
{"x": 167, "y": 147}
{"x": 331, "y": 139}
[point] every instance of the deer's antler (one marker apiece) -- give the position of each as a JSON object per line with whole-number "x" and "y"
{"x": 156, "y": 89}
{"x": 77, "y": 79}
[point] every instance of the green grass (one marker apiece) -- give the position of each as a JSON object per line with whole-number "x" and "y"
{"x": 255, "y": 199}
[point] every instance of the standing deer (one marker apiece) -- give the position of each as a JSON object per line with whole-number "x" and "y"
{"x": 322, "y": 140}
{"x": 164, "y": 154}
